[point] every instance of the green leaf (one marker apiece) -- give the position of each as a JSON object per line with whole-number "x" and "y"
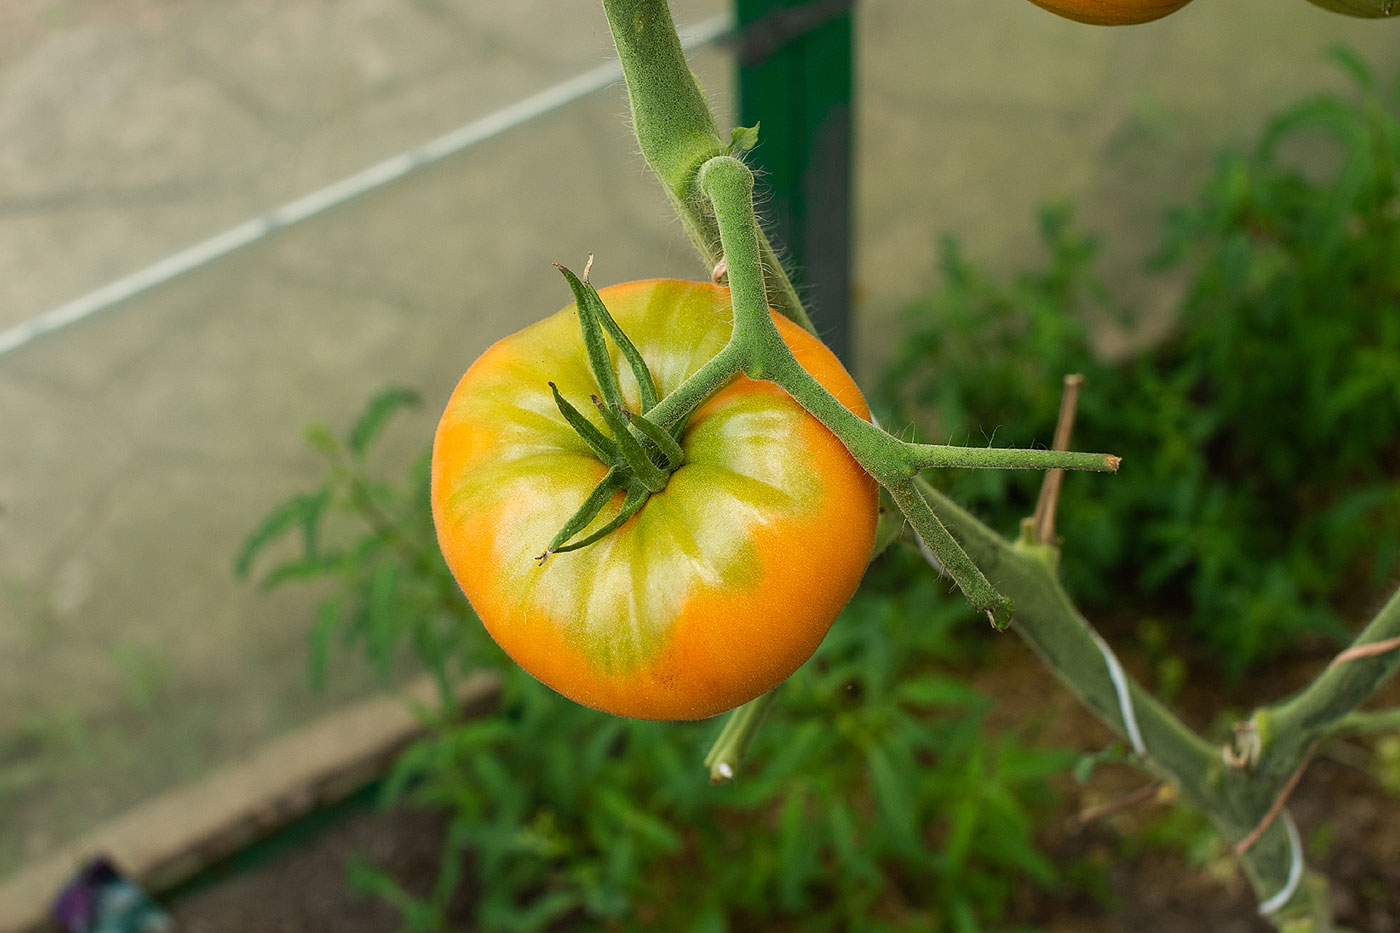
{"x": 892, "y": 794}
{"x": 321, "y": 438}
{"x": 303, "y": 569}
{"x": 381, "y": 618}
{"x": 742, "y": 139}
{"x": 377, "y": 414}
{"x": 1345, "y": 57}
{"x": 933, "y": 691}
{"x": 301, "y": 510}
{"x": 636, "y": 819}
{"x": 328, "y": 616}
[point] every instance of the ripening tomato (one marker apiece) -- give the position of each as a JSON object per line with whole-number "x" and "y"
{"x": 725, "y": 581}
{"x": 1112, "y": 12}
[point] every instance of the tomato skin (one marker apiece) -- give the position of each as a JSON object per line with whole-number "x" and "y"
{"x": 1112, "y": 12}
{"x": 724, "y": 583}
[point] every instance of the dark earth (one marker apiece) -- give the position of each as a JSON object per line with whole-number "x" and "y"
{"x": 1139, "y": 878}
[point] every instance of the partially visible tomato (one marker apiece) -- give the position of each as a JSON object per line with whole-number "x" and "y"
{"x": 1112, "y": 12}
{"x": 725, "y": 581}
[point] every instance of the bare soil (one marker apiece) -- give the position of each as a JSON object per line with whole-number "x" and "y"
{"x": 1136, "y": 876}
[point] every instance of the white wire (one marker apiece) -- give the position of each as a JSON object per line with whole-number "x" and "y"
{"x": 337, "y": 193}
{"x": 1115, "y": 671}
{"x": 1124, "y": 692}
{"x": 1295, "y": 870}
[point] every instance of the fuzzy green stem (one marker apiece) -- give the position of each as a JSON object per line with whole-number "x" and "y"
{"x": 733, "y": 742}
{"x": 951, "y": 558}
{"x": 1048, "y": 622}
{"x": 677, "y": 133}
{"x": 1335, "y": 694}
{"x": 893, "y": 463}
{"x": 1369, "y": 721}
{"x": 672, "y": 411}
{"x": 926, "y": 456}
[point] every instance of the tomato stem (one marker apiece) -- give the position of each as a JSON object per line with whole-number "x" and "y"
{"x": 733, "y": 741}
{"x": 677, "y": 134}
{"x": 728, "y": 183}
{"x": 950, "y": 556}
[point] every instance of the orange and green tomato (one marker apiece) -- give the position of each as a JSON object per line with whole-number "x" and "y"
{"x": 722, "y": 585}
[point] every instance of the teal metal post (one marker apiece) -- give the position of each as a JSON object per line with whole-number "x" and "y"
{"x": 795, "y": 64}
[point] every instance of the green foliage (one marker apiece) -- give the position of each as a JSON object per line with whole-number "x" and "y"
{"x": 394, "y": 594}
{"x": 873, "y": 801}
{"x": 1258, "y": 499}
{"x": 873, "y": 798}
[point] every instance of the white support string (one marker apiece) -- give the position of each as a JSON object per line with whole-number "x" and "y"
{"x": 1116, "y": 673}
{"x": 1295, "y": 870}
{"x": 1124, "y": 692}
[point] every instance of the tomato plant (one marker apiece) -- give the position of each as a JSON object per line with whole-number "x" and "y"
{"x": 1112, "y": 12}
{"x": 727, "y": 578}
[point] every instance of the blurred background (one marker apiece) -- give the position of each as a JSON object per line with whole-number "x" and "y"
{"x": 141, "y": 444}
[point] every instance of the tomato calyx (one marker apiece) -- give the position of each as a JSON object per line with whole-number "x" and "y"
{"x": 640, "y": 455}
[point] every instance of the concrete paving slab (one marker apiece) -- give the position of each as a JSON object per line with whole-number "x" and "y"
{"x": 167, "y": 426}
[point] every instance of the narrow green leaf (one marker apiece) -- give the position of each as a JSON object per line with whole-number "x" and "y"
{"x": 307, "y": 568}
{"x": 377, "y": 413}
{"x": 655, "y": 831}
{"x": 743, "y": 138}
{"x": 327, "y": 620}
{"x": 646, "y": 386}
{"x": 932, "y": 690}
{"x": 321, "y": 438}
{"x": 381, "y": 620}
{"x": 896, "y": 805}
{"x": 296, "y": 511}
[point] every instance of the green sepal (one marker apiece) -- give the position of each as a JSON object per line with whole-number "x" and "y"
{"x": 606, "y": 450}
{"x": 658, "y": 436}
{"x": 594, "y": 318}
{"x": 637, "y": 495}
{"x": 651, "y": 476}
{"x": 598, "y": 498}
